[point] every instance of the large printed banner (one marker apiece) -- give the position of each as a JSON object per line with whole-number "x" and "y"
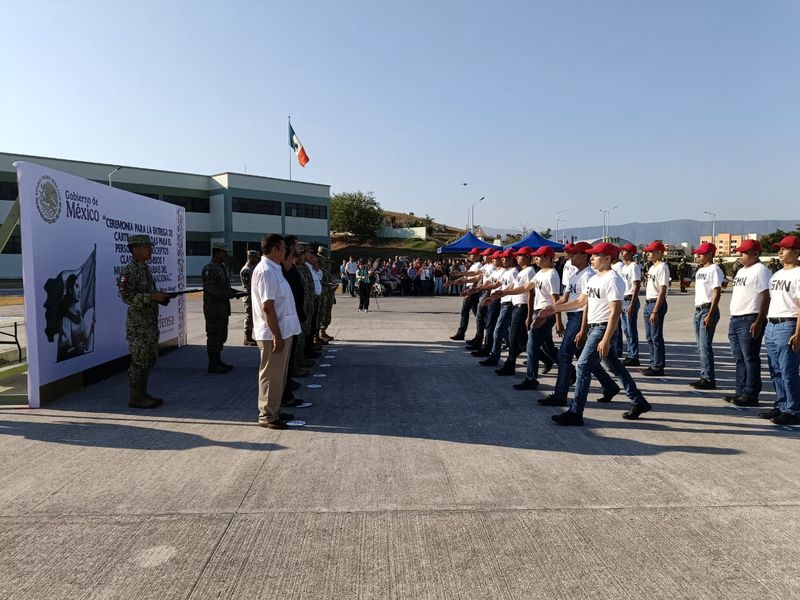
{"x": 74, "y": 245}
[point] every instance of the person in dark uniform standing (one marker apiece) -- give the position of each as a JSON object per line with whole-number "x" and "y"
{"x": 137, "y": 288}
{"x": 246, "y": 275}
{"x": 217, "y": 294}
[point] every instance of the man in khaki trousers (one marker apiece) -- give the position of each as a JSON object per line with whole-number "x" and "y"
{"x": 275, "y": 321}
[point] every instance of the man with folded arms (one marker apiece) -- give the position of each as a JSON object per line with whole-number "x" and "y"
{"x": 632, "y": 276}
{"x": 782, "y": 337}
{"x": 707, "y": 292}
{"x": 655, "y": 307}
{"x": 500, "y": 335}
{"x": 575, "y": 332}
{"x": 275, "y": 321}
{"x": 470, "y": 304}
{"x": 603, "y": 296}
{"x": 749, "y": 304}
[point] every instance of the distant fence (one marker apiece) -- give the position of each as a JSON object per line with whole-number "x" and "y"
{"x": 420, "y": 233}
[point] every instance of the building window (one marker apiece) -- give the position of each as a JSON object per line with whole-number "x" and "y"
{"x": 14, "y": 245}
{"x": 190, "y": 203}
{"x": 257, "y": 206}
{"x": 306, "y": 211}
{"x": 8, "y": 191}
{"x": 201, "y": 248}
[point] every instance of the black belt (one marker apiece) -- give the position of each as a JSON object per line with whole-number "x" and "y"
{"x": 747, "y": 316}
{"x": 628, "y": 297}
{"x": 593, "y": 325}
{"x": 652, "y": 300}
{"x": 782, "y": 319}
{"x": 702, "y": 306}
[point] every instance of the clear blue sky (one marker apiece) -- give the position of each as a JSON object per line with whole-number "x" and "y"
{"x": 663, "y": 108}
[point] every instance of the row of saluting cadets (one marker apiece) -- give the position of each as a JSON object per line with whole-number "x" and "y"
{"x": 519, "y": 299}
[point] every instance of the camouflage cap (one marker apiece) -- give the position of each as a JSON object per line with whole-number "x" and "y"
{"x": 253, "y": 254}
{"x": 219, "y": 246}
{"x": 139, "y": 240}
{"x": 322, "y": 250}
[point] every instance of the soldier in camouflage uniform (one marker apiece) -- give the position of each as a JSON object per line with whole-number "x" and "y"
{"x": 217, "y": 294}
{"x": 137, "y": 288}
{"x": 245, "y": 275}
{"x": 308, "y": 307}
{"x": 328, "y": 294}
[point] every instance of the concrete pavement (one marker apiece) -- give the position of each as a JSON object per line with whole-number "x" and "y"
{"x": 419, "y": 475}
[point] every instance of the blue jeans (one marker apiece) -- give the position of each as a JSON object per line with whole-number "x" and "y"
{"x": 481, "y": 314}
{"x": 351, "y": 283}
{"x": 537, "y": 337}
{"x": 591, "y": 358}
{"x": 655, "y": 335}
{"x": 746, "y": 352}
{"x": 784, "y": 366}
{"x": 705, "y": 341}
{"x": 470, "y": 305}
{"x": 438, "y": 286}
{"x": 567, "y": 351}
{"x": 630, "y": 327}
{"x": 491, "y": 321}
{"x": 501, "y": 329}
{"x": 515, "y": 332}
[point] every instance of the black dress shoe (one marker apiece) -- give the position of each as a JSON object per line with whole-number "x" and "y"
{"x": 730, "y": 398}
{"x": 786, "y": 419}
{"x": 552, "y": 400}
{"x": 770, "y": 414}
{"x": 608, "y": 396}
{"x": 745, "y": 401}
{"x": 653, "y": 372}
{"x": 480, "y": 353}
{"x": 471, "y": 341}
{"x": 273, "y": 425}
{"x": 505, "y": 371}
{"x": 636, "y": 410}
{"x": 526, "y": 384}
{"x": 704, "y": 384}
{"x": 457, "y": 337}
{"x": 631, "y": 362}
{"x": 489, "y": 362}
{"x": 568, "y": 419}
{"x": 548, "y": 366}
{"x": 472, "y": 347}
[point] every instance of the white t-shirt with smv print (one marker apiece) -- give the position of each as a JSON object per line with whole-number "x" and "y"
{"x": 784, "y": 294}
{"x": 706, "y": 280}
{"x": 657, "y": 275}
{"x": 748, "y": 284}
{"x": 602, "y": 289}
{"x": 547, "y": 284}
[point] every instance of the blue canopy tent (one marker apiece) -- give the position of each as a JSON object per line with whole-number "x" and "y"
{"x": 534, "y": 240}
{"x": 464, "y": 244}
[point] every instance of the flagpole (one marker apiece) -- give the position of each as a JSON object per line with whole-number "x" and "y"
{"x": 290, "y": 150}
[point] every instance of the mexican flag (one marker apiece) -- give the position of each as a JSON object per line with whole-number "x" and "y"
{"x": 294, "y": 143}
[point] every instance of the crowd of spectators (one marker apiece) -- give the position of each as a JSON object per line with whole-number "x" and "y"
{"x": 404, "y": 276}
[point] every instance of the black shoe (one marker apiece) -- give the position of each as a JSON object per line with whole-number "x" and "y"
{"x": 608, "y": 396}
{"x": 631, "y": 362}
{"x": 472, "y": 347}
{"x": 770, "y": 414}
{"x": 731, "y": 398}
{"x": 704, "y": 384}
{"x": 636, "y": 411}
{"x": 457, "y": 337}
{"x": 143, "y": 402}
{"x": 552, "y": 400}
{"x": 226, "y": 365}
{"x": 471, "y": 342}
{"x": 489, "y": 362}
{"x": 573, "y": 376}
{"x": 786, "y": 419}
{"x": 217, "y": 369}
{"x": 292, "y": 402}
{"x": 568, "y": 418}
{"x": 548, "y": 366}
{"x": 694, "y": 383}
{"x": 273, "y": 425}
{"x": 745, "y": 401}
{"x": 526, "y": 384}
{"x": 653, "y": 372}
{"x": 480, "y": 353}
{"x": 505, "y": 371}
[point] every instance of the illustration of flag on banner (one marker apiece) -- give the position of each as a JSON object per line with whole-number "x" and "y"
{"x": 294, "y": 143}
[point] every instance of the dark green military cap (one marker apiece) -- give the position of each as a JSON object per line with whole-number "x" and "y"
{"x": 139, "y": 240}
{"x": 253, "y": 253}
{"x": 219, "y": 246}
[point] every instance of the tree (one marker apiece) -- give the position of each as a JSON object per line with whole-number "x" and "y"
{"x": 777, "y": 236}
{"x": 546, "y": 233}
{"x": 356, "y": 212}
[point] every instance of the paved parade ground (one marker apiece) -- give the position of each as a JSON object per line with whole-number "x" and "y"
{"x": 419, "y": 475}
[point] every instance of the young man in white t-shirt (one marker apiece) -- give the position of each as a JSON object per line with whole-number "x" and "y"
{"x": 489, "y": 284}
{"x": 547, "y": 286}
{"x": 603, "y": 297}
{"x": 749, "y": 304}
{"x": 632, "y": 276}
{"x": 782, "y": 337}
{"x": 507, "y": 281}
{"x": 575, "y": 331}
{"x": 470, "y": 304}
{"x": 517, "y": 332}
{"x": 483, "y": 275}
{"x": 655, "y": 307}
{"x": 707, "y": 292}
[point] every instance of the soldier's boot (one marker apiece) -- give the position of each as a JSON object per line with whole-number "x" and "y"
{"x": 224, "y": 364}
{"x": 323, "y": 334}
{"x": 214, "y": 365}
{"x": 138, "y": 400}
{"x": 149, "y": 396}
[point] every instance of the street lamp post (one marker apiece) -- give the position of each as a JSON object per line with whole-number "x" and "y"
{"x": 473, "y": 212}
{"x": 606, "y": 212}
{"x": 559, "y": 220}
{"x": 713, "y": 226}
{"x": 110, "y": 174}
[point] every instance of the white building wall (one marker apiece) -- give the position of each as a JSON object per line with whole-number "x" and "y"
{"x": 247, "y": 223}
{"x": 199, "y": 222}
{"x": 302, "y": 226}
{"x": 216, "y": 214}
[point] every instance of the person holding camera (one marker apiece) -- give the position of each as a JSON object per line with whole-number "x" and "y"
{"x": 364, "y": 279}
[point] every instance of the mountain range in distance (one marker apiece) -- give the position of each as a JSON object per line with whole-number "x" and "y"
{"x": 670, "y": 232}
